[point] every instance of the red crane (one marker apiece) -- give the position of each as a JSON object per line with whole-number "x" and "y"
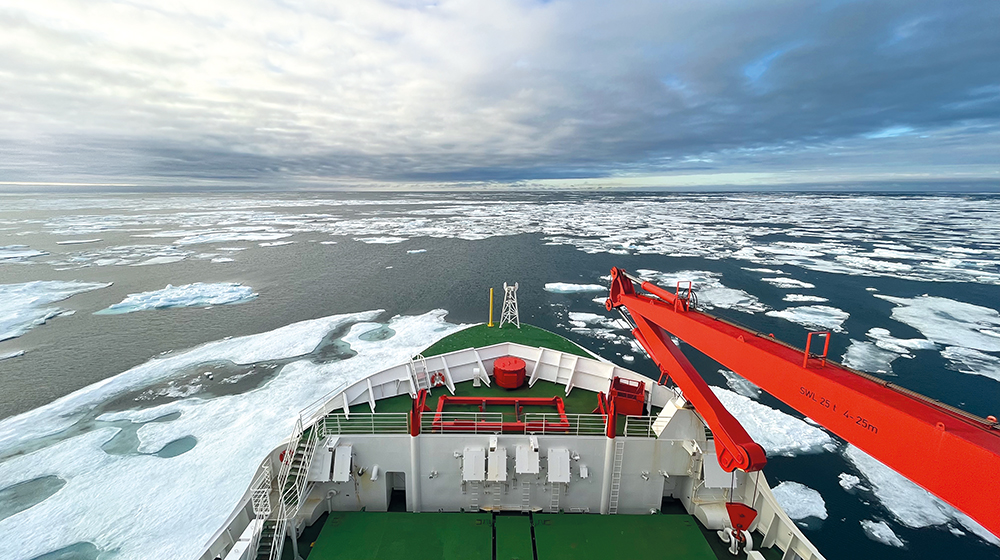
{"x": 951, "y": 453}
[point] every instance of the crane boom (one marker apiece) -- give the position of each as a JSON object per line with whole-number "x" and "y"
{"x": 952, "y": 454}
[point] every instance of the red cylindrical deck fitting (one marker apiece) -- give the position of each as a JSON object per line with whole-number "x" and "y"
{"x": 509, "y": 372}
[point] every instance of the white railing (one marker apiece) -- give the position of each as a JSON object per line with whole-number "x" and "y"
{"x": 261, "y": 499}
{"x": 364, "y": 423}
{"x": 278, "y": 544}
{"x": 554, "y": 424}
{"x": 461, "y": 422}
{"x": 321, "y": 406}
{"x": 292, "y": 494}
{"x": 640, "y": 426}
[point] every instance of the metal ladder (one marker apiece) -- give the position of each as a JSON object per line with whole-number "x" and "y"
{"x": 418, "y": 365}
{"x": 525, "y": 496}
{"x": 556, "y": 492}
{"x": 474, "y": 493}
{"x": 616, "y": 476}
{"x": 497, "y": 495}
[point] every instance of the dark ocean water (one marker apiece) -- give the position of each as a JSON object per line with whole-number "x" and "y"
{"x": 849, "y": 248}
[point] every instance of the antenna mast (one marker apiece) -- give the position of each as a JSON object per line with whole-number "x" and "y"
{"x": 510, "y": 314}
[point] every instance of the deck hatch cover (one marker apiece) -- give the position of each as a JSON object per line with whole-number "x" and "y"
{"x": 474, "y": 464}
{"x": 342, "y": 463}
{"x": 526, "y": 460}
{"x": 559, "y": 465}
{"x": 497, "y": 465}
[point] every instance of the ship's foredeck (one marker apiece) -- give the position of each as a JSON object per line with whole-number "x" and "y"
{"x": 482, "y": 536}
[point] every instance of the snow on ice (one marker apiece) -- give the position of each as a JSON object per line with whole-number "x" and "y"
{"x": 564, "y": 288}
{"x": 777, "y": 432}
{"x": 23, "y": 306}
{"x": 910, "y": 504}
{"x": 188, "y": 295}
{"x": 740, "y": 384}
{"x": 880, "y": 531}
{"x": 814, "y": 316}
{"x": 104, "y": 492}
{"x": 18, "y": 253}
{"x": 799, "y": 501}
{"x": 711, "y": 292}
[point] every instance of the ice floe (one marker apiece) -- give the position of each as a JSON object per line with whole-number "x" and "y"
{"x": 949, "y": 322}
{"x": 740, "y": 384}
{"x": 867, "y": 357}
{"x": 879, "y": 531}
{"x": 231, "y": 434}
{"x": 583, "y": 319}
{"x": 884, "y": 340}
{"x": 222, "y": 259}
{"x": 777, "y": 432}
{"x": 228, "y": 237}
{"x": 17, "y": 253}
{"x": 799, "y": 501}
{"x": 782, "y": 282}
{"x": 188, "y": 295}
{"x": 275, "y": 243}
{"x": 415, "y": 251}
{"x": 11, "y": 354}
{"x": 967, "y": 360}
{"x": 565, "y": 288}
{"x": 23, "y": 306}
{"x": 814, "y": 316}
{"x": 77, "y": 241}
{"x": 848, "y": 481}
{"x": 802, "y": 298}
{"x": 161, "y": 260}
{"x": 908, "y": 503}
{"x": 383, "y": 240}
{"x": 710, "y": 291}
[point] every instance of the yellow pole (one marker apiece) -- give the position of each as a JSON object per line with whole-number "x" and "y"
{"x": 491, "y": 308}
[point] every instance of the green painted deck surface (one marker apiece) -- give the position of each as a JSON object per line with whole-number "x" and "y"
{"x": 460, "y": 536}
{"x": 513, "y": 537}
{"x": 481, "y": 335}
{"x": 599, "y": 537}
{"x": 358, "y": 535}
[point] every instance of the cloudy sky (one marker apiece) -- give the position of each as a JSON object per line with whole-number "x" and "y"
{"x": 562, "y": 92}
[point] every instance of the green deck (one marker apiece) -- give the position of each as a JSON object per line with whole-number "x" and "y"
{"x": 358, "y": 535}
{"x": 481, "y": 335}
{"x": 579, "y": 401}
{"x": 415, "y": 536}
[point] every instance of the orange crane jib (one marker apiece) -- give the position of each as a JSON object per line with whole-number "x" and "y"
{"x": 951, "y": 453}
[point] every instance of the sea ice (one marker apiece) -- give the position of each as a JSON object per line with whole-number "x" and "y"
{"x": 161, "y": 260}
{"x": 804, "y": 298}
{"x": 228, "y": 237}
{"x": 564, "y": 288}
{"x": 884, "y": 339}
{"x": 788, "y": 283}
{"x": 799, "y": 501}
{"x": 77, "y": 241}
{"x": 222, "y": 259}
{"x": 814, "y": 316}
{"x": 14, "y": 253}
{"x": 583, "y": 319}
{"x": 22, "y": 306}
{"x": 275, "y": 243}
{"x": 11, "y": 354}
{"x": 188, "y": 295}
{"x": 880, "y": 531}
{"x": 967, "y": 360}
{"x": 415, "y": 251}
{"x": 740, "y": 384}
{"x": 949, "y": 322}
{"x": 382, "y": 240}
{"x": 910, "y": 504}
{"x": 865, "y": 356}
{"x": 711, "y": 292}
{"x": 777, "y": 432}
{"x": 848, "y": 481}
{"x": 234, "y": 432}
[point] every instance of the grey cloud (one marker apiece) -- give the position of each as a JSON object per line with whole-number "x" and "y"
{"x": 501, "y": 91}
